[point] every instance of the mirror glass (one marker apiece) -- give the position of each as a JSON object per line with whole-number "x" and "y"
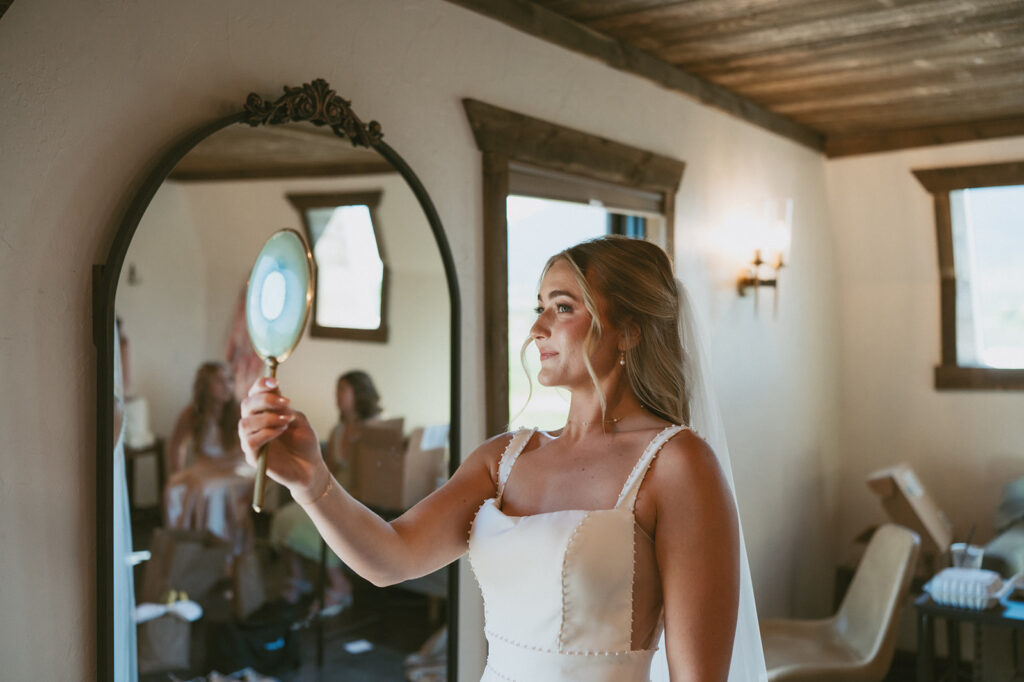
{"x": 279, "y": 293}
{"x": 219, "y": 587}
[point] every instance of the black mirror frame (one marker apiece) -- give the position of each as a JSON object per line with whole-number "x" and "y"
{"x": 318, "y": 104}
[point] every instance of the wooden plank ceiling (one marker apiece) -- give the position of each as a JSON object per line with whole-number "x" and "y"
{"x": 851, "y": 76}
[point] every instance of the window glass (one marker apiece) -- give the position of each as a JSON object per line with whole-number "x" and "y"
{"x": 350, "y": 272}
{"x": 988, "y": 251}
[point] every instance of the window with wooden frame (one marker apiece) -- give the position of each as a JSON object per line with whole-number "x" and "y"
{"x": 525, "y": 158}
{"x": 350, "y": 289}
{"x": 979, "y": 220}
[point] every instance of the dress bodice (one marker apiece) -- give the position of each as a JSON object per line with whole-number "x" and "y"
{"x": 558, "y": 587}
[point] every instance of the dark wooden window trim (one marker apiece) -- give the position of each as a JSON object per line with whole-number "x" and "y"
{"x": 940, "y": 182}
{"x": 303, "y": 202}
{"x": 508, "y": 139}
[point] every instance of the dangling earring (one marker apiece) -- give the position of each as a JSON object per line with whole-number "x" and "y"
{"x": 622, "y": 358}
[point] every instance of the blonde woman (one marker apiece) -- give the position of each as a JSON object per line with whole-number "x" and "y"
{"x": 209, "y": 487}
{"x": 592, "y": 543}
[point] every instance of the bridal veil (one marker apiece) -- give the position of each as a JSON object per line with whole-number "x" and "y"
{"x": 747, "y": 655}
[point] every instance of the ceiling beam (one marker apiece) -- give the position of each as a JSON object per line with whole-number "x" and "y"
{"x": 547, "y": 25}
{"x": 865, "y": 143}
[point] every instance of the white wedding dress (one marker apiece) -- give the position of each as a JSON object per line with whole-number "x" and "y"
{"x": 558, "y": 587}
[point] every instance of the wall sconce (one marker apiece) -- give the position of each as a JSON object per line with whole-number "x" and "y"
{"x": 775, "y": 233}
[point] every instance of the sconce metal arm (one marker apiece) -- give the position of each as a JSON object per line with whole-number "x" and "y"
{"x": 753, "y": 280}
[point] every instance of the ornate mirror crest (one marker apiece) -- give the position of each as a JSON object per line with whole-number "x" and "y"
{"x": 318, "y": 104}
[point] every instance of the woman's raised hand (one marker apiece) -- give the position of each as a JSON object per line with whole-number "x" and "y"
{"x": 293, "y": 451}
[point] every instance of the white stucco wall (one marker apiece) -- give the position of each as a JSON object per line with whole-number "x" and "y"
{"x": 95, "y": 91}
{"x": 964, "y": 445}
{"x": 164, "y": 311}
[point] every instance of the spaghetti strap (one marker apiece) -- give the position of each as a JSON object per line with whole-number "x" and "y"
{"x": 508, "y": 458}
{"x": 627, "y": 498}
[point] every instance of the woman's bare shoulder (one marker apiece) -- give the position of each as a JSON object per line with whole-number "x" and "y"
{"x": 493, "y": 446}
{"x": 689, "y": 489}
{"x": 687, "y": 466}
{"x": 488, "y": 454}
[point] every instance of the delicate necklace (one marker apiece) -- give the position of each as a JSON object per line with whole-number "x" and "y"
{"x": 610, "y": 420}
{"x": 613, "y": 420}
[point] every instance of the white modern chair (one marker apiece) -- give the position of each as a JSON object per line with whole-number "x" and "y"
{"x": 858, "y": 642}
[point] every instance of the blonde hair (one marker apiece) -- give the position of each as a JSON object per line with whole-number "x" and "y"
{"x": 635, "y": 279}
{"x": 205, "y": 409}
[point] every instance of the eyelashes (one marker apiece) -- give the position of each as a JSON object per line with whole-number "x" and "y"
{"x": 559, "y": 308}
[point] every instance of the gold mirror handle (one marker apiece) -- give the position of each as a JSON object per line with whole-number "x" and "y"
{"x": 260, "y": 485}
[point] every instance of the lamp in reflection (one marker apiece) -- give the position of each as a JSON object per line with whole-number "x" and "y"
{"x": 771, "y": 252}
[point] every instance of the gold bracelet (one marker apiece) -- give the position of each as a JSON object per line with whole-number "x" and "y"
{"x": 330, "y": 484}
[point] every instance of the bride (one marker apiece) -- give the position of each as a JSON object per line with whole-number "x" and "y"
{"x": 594, "y": 543}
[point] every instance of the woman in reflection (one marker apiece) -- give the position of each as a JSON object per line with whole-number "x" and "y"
{"x": 209, "y": 487}
{"x": 358, "y": 402}
{"x": 587, "y": 541}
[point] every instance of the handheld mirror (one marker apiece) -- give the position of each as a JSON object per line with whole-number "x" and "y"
{"x": 277, "y": 305}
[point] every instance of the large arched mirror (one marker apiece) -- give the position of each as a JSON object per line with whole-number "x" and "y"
{"x": 191, "y": 581}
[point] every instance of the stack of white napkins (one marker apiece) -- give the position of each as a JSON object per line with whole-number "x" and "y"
{"x": 968, "y": 588}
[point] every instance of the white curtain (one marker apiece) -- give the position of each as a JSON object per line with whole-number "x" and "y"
{"x": 126, "y": 668}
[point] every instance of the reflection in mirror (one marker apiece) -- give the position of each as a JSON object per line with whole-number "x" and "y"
{"x": 225, "y": 589}
{"x": 350, "y": 298}
{"x": 278, "y": 297}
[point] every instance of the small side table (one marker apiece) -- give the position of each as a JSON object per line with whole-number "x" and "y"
{"x": 156, "y": 449}
{"x": 1008, "y": 614}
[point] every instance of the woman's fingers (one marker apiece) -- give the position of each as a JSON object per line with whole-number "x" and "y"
{"x": 263, "y": 384}
{"x": 253, "y": 424}
{"x": 256, "y": 430}
{"x": 260, "y": 439}
{"x": 265, "y": 419}
{"x": 264, "y": 401}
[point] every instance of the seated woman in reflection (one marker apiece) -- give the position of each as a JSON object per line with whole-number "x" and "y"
{"x": 210, "y": 487}
{"x": 358, "y": 402}
{"x": 590, "y": 541}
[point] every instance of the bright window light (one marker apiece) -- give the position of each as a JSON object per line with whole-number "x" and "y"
{"x": 350, "y": 272}
{"x": 988, "y": 250}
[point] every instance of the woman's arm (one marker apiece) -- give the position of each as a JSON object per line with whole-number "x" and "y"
{"x": 430, "y": 535}
{"x": 177, "y": 450}
{"x": 697, "y": 545}
{"x": 425, "y": 538}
